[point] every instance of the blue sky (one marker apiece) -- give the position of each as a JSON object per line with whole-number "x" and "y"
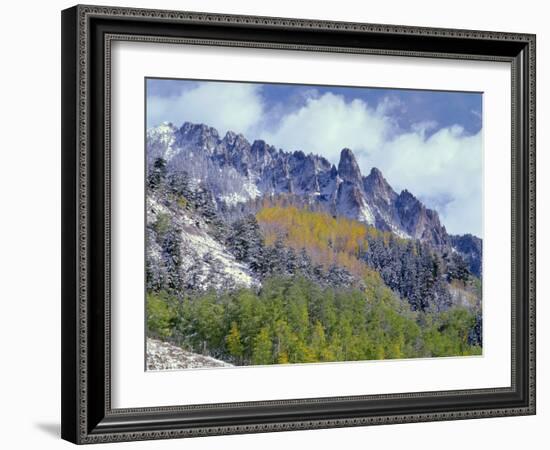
{"x": 429, "y": 142}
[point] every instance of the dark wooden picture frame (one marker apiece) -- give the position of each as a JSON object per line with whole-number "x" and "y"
{"x": 87, "y": 33}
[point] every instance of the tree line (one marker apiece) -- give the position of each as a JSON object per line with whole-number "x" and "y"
{"x": 294, "y": 320}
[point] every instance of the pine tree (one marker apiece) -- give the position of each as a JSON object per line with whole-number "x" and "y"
{"x": 171, "y": 254}
{"x": 245, "y": 241}
{"x": 291, "y": 261}
{"x": 318, "y": 341}
{"x": 155, "y": 272}
{"x": 262, "y": 350}
{"x": 205, "y": 204}
{"x": 462, "y": 270}
{"x": 338, "y": 276}
{"x": 303, "y": 265}
{"x": 277, "y": 257}
{"x": 282, "y": 337}
{"x": 158, "y": 173}
{"x": 234, "y": 344}
{"x": 180, "y": 184}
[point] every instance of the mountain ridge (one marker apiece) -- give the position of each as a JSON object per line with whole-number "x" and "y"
{"x": 237, "y": 171}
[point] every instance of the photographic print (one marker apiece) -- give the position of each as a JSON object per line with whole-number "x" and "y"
{"x": 297, "y": 199}
{"x": 310, "y": 224}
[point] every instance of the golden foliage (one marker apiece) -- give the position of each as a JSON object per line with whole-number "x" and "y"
{"x": 327, "y": 240}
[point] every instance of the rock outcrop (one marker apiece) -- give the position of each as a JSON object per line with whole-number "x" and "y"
{"x": 165, "y": 356}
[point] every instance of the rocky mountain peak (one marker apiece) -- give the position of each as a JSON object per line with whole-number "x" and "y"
{"x": 375, "y": 172}
{"x": 408, "y": 206}
{"x": 198, "y": 129}
{"x": 419, "y": 221}
{"x": 166, "y": 126}
{"x": 234, "y": 140}
{"x": 261, "y": 147}
{"x": 229, "y": 137}
{"x": 406, "y": 196}
{"x": 375, "y": 178}
{"x": 199, "y": 135}
{"x": 378, "y": 188}
{"x": 239, "y": 171}
{"x": 348, "y": 169}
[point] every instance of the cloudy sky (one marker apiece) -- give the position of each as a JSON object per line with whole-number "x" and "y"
{"x": 429, "y": 142}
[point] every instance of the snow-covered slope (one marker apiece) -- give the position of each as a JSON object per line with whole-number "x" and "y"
{"x": 164, "y": 356}
{"x": 201, "y": 261}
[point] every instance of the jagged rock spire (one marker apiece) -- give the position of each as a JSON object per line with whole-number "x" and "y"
{"x": 348, "y": 169}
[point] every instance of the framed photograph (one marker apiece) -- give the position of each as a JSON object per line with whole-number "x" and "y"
{"x": 279, "y": 224}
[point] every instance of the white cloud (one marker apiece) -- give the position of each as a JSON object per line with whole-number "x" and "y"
{"x": 446, "y": 165}
{"x": 224, "y": 106}
{"x": 326, "y": 124}
{"x": 390, "y": 104}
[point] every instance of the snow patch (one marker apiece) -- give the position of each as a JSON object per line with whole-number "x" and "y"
{"x": 166, "y": 356}
{"x": 249, "y": 192}
{"x": 201, "y": 247}
{"x": 366, "y": 215}
{"x": 398, "y": 232}
{"x": 251, "y": 189}
{"x": 234, "y": 199}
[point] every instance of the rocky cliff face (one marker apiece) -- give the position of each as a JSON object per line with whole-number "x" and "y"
{"x": 237, "y": 171}
{"x": 418, "y": 221}
{"x": 470, "y": 247}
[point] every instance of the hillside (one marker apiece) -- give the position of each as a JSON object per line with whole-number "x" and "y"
{"x": 260, "y": 256}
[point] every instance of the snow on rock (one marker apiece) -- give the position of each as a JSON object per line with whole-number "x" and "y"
{"x": 165, "y": 356}
{"x": 366, "y": 215}
{"x": 218, "y": 265}
{"x": 205, "y": 261}
{"x": 234, "y": 198}
{"x": 247, "y": 191}
{"x": 161, "y": 141}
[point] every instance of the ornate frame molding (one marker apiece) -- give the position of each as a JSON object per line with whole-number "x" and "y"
{"x": 80, "y": 415}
